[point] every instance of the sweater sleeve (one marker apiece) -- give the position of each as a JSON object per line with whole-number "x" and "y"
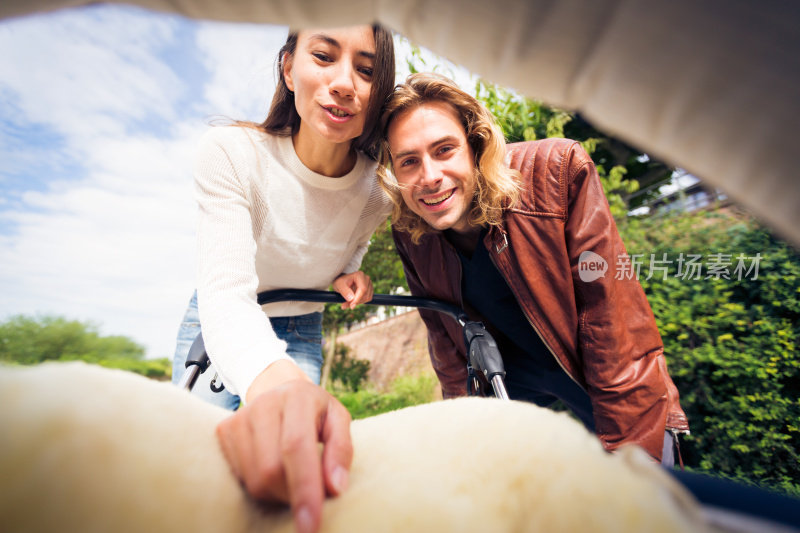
{"x": 375, "y": 213}
{"x": 446, "y": 358}
{"x": 238, "y": 335}
{"x": 358, "y": 255}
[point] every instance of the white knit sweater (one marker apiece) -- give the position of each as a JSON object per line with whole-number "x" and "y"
{"x": 266, "y": 222}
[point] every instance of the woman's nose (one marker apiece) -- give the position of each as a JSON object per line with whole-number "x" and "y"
{"x": 342, "y": 81}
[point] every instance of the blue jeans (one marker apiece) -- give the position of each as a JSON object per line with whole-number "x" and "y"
{"x": 302, "y": 333}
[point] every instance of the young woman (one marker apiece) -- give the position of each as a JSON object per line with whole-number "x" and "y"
{"x": 289, "y": 203}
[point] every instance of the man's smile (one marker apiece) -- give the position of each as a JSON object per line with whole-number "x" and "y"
{"x": 438, "y": 199}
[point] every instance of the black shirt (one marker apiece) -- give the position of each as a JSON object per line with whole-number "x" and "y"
{"x": 532, "y": 372}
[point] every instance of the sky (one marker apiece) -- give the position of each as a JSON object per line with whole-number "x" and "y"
{"x": 100, "y": 110}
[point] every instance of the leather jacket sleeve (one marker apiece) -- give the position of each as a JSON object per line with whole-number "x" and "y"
{"x": 444, "y": 348}
{"x": 619, "y": 346}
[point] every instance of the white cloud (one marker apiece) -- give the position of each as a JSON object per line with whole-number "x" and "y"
{"x": 109, "y": 237}
{"x": 89, "y": 70}
{"x": 114, "y": 246}
{"x": 241, "y": 62}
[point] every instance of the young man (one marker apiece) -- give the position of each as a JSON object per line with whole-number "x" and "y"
{"x": 502, "y": 231}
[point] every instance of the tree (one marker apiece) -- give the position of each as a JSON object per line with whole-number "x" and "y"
{"x": 383, "y": 266}
{"x": 347, "y": 373}
{"x": 31, "y": 340}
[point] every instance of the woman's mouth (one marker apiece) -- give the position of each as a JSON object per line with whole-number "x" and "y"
{"x": 341, "y": 113}
{"x": 436, "y": 200}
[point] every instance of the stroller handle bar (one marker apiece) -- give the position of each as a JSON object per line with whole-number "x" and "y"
{"x": 482, "y": 352}
{"x": 309, "y": 295}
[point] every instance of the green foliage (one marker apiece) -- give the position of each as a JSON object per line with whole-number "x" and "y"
{"x": 383, "y": 264}
{"x": 404, "y": 392}
{"x": 160, "y": 369}
{"x": 347, "y": 373}
{"x": 520, "y": 118}
{"x": 524, "y": 119}
{"x": 614, "y": 186}
{"x": 31, "y": 340}
{"x": 731, "y": 343}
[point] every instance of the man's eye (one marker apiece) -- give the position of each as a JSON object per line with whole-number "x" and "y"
{"x": 445, "y": 149}
{"x": 407, "y": 162}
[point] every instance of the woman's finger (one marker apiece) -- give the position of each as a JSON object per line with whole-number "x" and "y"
{"x": 337, "y": 453}
{"x": 302, "y": 462}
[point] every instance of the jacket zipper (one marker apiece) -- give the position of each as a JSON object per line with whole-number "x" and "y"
{"x": 499, "y": 250}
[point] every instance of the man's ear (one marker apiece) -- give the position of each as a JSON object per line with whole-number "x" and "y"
{"x": 286, "y": 67}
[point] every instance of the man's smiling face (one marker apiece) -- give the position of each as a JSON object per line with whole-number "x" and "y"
{"x": 434, "y": 165}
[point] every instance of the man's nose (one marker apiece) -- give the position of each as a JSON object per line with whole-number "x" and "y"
{"x": 431, "y": 175}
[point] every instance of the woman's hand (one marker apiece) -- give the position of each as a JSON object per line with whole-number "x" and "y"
{"x": 355, "y": 288}
{"x": 271, "y": 443}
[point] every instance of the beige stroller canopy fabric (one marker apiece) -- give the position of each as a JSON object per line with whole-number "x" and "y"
{"x": 708, "y": 85}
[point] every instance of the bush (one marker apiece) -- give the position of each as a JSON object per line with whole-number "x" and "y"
{"x": 31, "y": 340}
{"x": 404, "y": 392}
{"x": 730, "y": 341}
{"x": 160, "y": 369}
{"x": 347, "y": 373}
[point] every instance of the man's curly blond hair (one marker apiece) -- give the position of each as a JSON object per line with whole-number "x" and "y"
{"x": 497, "y": 186}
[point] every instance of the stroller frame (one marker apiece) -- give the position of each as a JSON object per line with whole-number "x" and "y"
{"x": 483, "y": 354}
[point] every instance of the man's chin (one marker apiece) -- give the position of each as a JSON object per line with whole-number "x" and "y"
{"x": 438, "y": 225}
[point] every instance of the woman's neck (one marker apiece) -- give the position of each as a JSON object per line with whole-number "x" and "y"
{"x": 323, "y": 157}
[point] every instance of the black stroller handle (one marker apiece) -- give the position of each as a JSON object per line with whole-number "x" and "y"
{"x": 310, "y": 295}
{"x": 482, "y": 352}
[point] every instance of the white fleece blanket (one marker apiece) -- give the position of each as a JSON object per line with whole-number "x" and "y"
{"x": 87, "y": 449}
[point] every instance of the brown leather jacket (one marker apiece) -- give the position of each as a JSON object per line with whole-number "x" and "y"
{"x": 602, "y": 332}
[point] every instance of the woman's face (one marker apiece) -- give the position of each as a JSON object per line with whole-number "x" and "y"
{"x": 330, "y": 74}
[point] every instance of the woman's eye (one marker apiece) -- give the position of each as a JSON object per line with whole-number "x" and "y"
{"x": 322, "y": 57}
{"x": 366, "y": 71}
